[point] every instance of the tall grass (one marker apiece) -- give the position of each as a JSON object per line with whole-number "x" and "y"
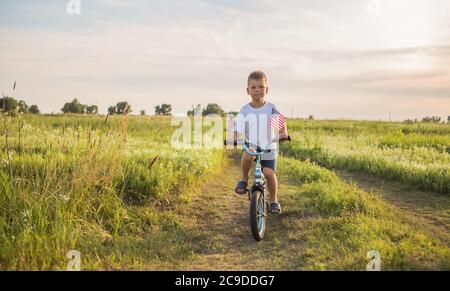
{"x": 438, "y": 142}
{"x": 380, "y": 128}
{"x": 98, "y": 188}
{"x": 338, "y": 224}
{"x": 416, "y": 159}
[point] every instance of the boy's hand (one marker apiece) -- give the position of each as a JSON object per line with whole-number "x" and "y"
{"x": 284, "y": 139}
{"x": 283, "y": 133}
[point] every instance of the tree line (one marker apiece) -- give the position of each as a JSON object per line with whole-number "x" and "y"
{"x": 12, "y": 106}
{"x": 429, "y": 119}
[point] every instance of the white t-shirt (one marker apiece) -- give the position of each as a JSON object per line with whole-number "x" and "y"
{"x": 254, "y": 123}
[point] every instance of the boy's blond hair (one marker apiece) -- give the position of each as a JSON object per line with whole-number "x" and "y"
{"x": 257, "y": 75}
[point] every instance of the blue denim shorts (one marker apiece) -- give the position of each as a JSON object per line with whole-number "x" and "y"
{"x": 272, "y": 164}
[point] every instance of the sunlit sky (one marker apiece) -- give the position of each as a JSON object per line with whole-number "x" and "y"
{"x": 358, "y": 59}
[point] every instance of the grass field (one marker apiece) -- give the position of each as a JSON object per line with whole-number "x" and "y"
{"x": 416, "y": 154}
{"x": 115, "y": 190}
{"x": 78, "y": 183}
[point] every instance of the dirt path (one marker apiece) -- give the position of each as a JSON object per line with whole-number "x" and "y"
{"x": 222, "y": 220}
{"x": 219, "y": 222}
{"x": 432, "y": 210}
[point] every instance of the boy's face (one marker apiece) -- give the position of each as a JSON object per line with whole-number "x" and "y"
{"x": 257, "y": 89}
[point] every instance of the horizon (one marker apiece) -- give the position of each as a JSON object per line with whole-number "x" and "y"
{"x": 359, "y": 60}
{"x": 134, "y": 112}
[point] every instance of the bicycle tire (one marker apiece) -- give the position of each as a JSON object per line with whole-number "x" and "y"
{"x": 258, "y": 205}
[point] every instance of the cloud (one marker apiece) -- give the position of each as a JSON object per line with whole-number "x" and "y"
{"x": 393, "y": 76}
{"x": 198, "y": 51}
{"x": 358, "y": 54}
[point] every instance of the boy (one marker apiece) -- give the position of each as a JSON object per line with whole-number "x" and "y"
{"x": 256, "y": 125}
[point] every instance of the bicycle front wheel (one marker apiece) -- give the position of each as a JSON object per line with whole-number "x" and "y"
{"x": 258, "y": 215}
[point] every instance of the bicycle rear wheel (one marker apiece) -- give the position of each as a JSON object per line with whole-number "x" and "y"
{"x": 258, "y": 215}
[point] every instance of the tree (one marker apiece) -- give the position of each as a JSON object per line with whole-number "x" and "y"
{"x": 8, "y": 104}
{"x": 22, "y": 106}
{"x": 74, "y": 107}
{"x": 123, "y": 108}
{"x": 120, "y": 108}
{"x": 197, "y": 108}
{"x": 93, "y": 109}
{"x": 448, "y": 119}
{"x": 12, "y": 106}
{"x": 311, "y": 117}
{"x": 164, "y": 109}
{"x": 34, "y": 109}
{"x": 143, "y": 112}
{"x": 213, "y": 109}
{"x": 112, "y": 110}
{"x": 434, "y": 119}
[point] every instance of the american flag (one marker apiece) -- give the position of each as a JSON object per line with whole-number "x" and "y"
{"x": 277, "y": 119}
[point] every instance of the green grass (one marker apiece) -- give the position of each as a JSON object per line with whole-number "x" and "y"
{"x": 438, "y": 142}
{"x": 379, "y": 149}
{"x": 338, "y": 224}
{"x": 114, "y": 190}
{"x": 379, "y": 128}
{"x": 107, "y": 190}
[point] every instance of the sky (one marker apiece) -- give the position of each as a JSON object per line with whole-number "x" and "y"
{"x": 349, "y": 59}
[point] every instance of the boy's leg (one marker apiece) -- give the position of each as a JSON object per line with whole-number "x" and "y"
{"x": 272, "y": 184}
{"x": 246, "y": 166}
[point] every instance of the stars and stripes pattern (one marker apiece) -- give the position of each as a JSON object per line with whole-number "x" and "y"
{"x": 277, "y": 120}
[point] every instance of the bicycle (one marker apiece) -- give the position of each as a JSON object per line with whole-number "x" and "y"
{"x": 259, "y": 202}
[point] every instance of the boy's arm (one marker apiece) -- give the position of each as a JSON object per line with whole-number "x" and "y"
{"x": 284, "y": 131}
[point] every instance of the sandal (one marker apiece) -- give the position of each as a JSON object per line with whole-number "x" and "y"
{"x": 275, "y": 208}
{"x": 241, "y": 188}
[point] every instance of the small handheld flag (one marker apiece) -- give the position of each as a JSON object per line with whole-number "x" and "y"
{"x": 277, "y": 120}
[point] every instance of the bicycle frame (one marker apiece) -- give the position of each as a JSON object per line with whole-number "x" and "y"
{"x": 259, "y": 177}
{"x": 259, "y": 204}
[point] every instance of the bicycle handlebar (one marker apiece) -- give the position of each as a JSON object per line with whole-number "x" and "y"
{"x": 259, "y": 150}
